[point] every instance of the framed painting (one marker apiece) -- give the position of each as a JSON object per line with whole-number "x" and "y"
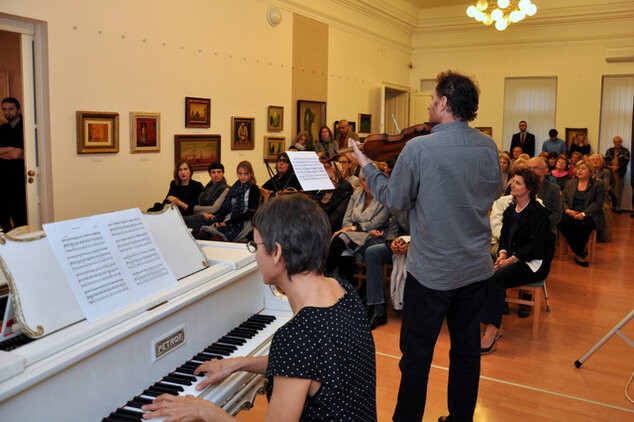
{"x": 311, "y": 115}
{"x": 198, "y": 150}
{"x": 145, "y": 132}
{"x": 486, "y": 129}
{"x": 571, "y": 135}
{"x": 97, "y": 132}
{"x": 197, "y": 112}
{"x": 242, "y": 133}
{"x": 273, "y": 146}
{"x": 275, "y": 119}
{"x": 365, "y": 123}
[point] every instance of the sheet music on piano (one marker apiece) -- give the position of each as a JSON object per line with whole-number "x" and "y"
{"x": 110, "y": 260}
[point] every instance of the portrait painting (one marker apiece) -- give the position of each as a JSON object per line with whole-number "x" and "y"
{"x": 97, "y": 132}
{"x": 571, "y": 135}
{"x": 198, "y": 150}
{"x": 365, "y": 123}
{"x": 242, "y": 136}
{"x": 486, "y": 129}
{"x": 197, "y": 112}
{"x": 275, "y": 118}
{"x": 145, "y": 129}
{"x": 311, "y": 115}
{"x": 273, "y": 146}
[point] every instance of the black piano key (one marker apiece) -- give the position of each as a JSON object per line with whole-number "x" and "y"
{"x": 129, "y": 413}
{"x": 136, "y": 404}
{"x": 183, "y": 377}
{"x": 242, "y": 332}
{"x": 185, "y": 370}
{"x": 262, "y": 318}
{"x": 141, "y": 400}
{"x": 226, "y": 347}
{"x": 232, "y": 340}
{"x": 172, "y": 389}
{"x": 120, "y": 418}
{"x": 151, "y": 393}
{"x": 204, "y": 357}
{"x": 255, "y": 325}
{"x": 176, "y": 379}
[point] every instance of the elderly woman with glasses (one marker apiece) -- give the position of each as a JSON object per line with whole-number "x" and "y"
{"x": 349, "y": 169}
{"x": 321, "y": 364}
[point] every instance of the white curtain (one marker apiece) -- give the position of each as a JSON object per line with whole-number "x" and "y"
{"x": 533, "y": 100}
{"x": 617, "y": 106}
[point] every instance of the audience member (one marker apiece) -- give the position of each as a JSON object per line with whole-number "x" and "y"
{"x": 363, "y": 226}
{"x": 183, "y": 191}
{"x": 524, "y": 140}
{"x": 580, "y": 145}
{"x": 582, "y": 203}
{"x": 560, "y": 173}
{"x": 574, "y": 159}
{"x": 505, "y": 165}
{"x": 334, "y": 202}
{"x": 516, "y": 152}
{"x": 548, "y": 192}
{"x": 551, "y": 159}
{"x": 12, "y": 191}
{"x": 232, "y": 222}
{"x": 604, "y": 174}
{"x": 524, "y": 256}
{"x": 345, "y": 132}
{"x": 519, "y": 163}
{"x": 302, "y": 142}
{"x": 210, "y": 199}
{"x": 553, "y": 143}
{"x": 617, "y": 158}
{"x": 284, "y": 177}
{"x": 348, "y": 169}
{"x": 375, "y": 257}
{"x": 326, "y": 146}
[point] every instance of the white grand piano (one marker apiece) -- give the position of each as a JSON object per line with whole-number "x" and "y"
{"x": 75, "y": 370}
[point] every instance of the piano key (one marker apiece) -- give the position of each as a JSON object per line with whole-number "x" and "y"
{"x": 172, "y": 389}
{"x": 119, "y": 418}
{"x": 232, "y": 340}
{"x": 130, "y": 413}
{"x": 175, "y": 379}
{"x": 228, "y": 347}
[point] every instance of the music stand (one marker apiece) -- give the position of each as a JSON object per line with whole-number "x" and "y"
{"x": 605, "y": 338}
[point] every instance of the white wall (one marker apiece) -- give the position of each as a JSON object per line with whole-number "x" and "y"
{"x": 144, "y": 55}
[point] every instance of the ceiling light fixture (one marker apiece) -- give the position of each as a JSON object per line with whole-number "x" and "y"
{"x": 502, "y": 12}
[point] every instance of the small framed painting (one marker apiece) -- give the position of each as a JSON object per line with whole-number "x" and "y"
{"x": 242, "y": 133}
{"x": 145, "y": 132}
{"x": 311, "y": 115}
{"x": 275, "y": 119}
{"x": 197, "y": 112}
{"x": 486, "y": 129}
{"x": 365, "y": 123}
{"x": 198, "y": 150}
{"x": 273, "y": 146}
{"x": 97, "y": 132}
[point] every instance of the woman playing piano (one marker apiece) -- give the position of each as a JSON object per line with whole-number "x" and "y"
{"x": 321, "y": 363}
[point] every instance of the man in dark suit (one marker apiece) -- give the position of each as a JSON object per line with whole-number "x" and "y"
{"x": 524, "y": 139}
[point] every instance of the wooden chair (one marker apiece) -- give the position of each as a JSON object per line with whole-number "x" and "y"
{"x": 538, "y": 291}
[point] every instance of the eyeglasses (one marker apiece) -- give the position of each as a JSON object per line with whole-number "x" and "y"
{"x": 344, "y": 161}
{"x": 252, "y": 246}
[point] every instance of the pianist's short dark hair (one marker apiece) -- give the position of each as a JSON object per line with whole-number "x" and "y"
{"x": 300, "y": 226}
{"x": 462, "y": 94}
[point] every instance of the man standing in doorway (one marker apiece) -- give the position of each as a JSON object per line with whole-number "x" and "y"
{"x": 448, "y": 259}
{"x": 12, "y": 190}
{"x": 524, "y": 139}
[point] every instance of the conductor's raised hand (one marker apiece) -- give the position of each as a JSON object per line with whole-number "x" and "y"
{"x": 358, "y": 155}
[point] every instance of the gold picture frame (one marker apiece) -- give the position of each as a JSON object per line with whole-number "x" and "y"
{"x": 242, "y": 136}
{"x": 145, "y": 132}
{"x": 273, "y": 146}
{"x": 275, "y": 118}
{"x": 197, "y": 112}
{"x": 97, "y": 132}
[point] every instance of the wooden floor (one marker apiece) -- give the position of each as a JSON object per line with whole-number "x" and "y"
{"x": 527, "y": 380}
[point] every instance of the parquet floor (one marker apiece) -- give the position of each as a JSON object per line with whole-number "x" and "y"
{"x": 526, "y": 380}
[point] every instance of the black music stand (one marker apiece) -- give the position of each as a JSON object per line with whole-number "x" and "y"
{"x": 605, "y": 338}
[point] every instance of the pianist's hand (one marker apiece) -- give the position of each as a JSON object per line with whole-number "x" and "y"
{"x": 217, "y": 370}
{"x": 184, "y": 409}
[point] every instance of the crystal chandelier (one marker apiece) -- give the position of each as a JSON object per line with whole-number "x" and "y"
{"x": 502, "y": 12}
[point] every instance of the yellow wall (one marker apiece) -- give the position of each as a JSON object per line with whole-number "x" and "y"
{"x": 148, "y": 55}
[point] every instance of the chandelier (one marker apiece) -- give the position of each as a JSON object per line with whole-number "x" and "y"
{"x": 502, "y": 12}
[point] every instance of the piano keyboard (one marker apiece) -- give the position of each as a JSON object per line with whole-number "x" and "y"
{"x": 244, "y": 340}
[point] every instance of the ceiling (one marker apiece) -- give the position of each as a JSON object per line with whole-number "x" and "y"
{"x": 440, "y": 3}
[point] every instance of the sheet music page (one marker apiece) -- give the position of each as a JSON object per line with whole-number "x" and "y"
{"x": 309, "y": 170}
{"x": 110, "y": 260}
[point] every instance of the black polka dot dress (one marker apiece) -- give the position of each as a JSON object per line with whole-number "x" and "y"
{"x": 333, "y": 346}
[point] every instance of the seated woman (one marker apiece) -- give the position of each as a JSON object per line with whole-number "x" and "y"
{"x": 232, "y": 222}
{"x": 560, "y": 173}
{"x": 326, "y": 147}
{"x": 321, "y": 364}
{"x": 348, "y": 169}
{"x": 363, "y": 226}
{"x": 183, "y": 191}
{"x": 302, "y": 143}
{"x": 284, "y": 178}
{"x": 582, "y": 203}
{"x": 334, "y": 202}
{"x": 210, "y": 199}
{"x": 505, "y": 165}
{"x": 525, "y": 251}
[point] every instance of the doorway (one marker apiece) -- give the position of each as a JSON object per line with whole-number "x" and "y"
{"x": 395, "y": 108}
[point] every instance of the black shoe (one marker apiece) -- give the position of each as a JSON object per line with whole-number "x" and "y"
{"x": 377, "y": 319}
{"x": 524, "y": 311}
{"x": 506, "y": 310}
{"x": 492, "y": 347}
{"x": 581, "y": 262}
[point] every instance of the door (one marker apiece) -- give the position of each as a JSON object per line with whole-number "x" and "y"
{"x": 395, "y": 109}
